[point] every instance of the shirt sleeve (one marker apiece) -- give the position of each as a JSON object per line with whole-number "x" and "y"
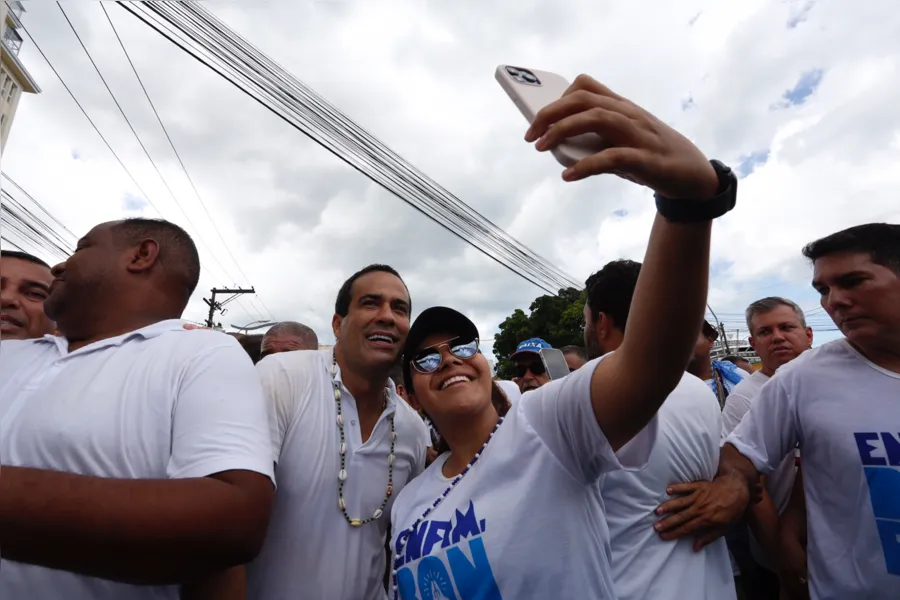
{"x": 736, "y": 406}
{"x": 562, "y": 415}
{"x": 280, "y": 400}
{"x": 421, "y": 447}
{"x": 769, "y": 430}
{"x": 220, "y": 421}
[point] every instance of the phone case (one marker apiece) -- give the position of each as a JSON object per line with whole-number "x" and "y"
{"x": 531, "y": 98}
{"x": 554, "y": 363}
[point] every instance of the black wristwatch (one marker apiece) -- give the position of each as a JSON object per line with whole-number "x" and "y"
{"x": 686, "y": 210}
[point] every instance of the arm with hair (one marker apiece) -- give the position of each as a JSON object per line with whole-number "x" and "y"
{"x": 762, "y": 518}
{"x": 766, "y": 434}
{"x": 792, "y": 544}
{"x": 707, "y": 509}
{"x": 157, "y": 531}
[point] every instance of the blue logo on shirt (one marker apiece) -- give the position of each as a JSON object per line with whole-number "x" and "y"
{"x": 880, "y": 454}
{"x": 463, "y": 572}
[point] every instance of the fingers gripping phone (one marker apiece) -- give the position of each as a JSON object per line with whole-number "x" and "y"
{"x": 554, "y": 363}
{"x": 531, "y": 90}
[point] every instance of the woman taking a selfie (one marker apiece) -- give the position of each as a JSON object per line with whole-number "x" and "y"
{"x": 511, "y": 509}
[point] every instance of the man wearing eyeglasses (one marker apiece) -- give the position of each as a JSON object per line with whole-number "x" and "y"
{"x": 530, "y": 371}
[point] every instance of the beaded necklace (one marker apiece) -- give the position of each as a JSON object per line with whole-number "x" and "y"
{"x": 342, "y": 449}
{"x": 411, "y": 530}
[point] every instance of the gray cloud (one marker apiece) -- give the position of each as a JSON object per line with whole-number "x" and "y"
{"x": 420, "y": 78}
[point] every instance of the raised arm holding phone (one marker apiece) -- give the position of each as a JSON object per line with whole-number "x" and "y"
{"x": 549, "y": 447}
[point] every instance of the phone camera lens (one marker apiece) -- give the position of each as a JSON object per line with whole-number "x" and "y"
{"x": 529, "y": 77}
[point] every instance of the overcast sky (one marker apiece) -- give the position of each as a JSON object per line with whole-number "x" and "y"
{"x": 799, "y": 97}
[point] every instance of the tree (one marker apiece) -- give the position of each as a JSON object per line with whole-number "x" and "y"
{"x": 557, "y": 319}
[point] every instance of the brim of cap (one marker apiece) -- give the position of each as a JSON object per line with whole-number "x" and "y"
{"x": 433, "y": 320}
{"x": 515, "y": 354}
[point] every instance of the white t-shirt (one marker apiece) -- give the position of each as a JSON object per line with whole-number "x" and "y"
{"x": 845, "y": 413}
{"x": 780, "y": 482}
{"x": 157, "y": 403}
{"x": 527, "y": 521}
{"x": 687, "y": 449}
{"x": 311, "y": 552}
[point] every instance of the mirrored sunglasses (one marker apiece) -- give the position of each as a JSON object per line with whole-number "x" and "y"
{"x": 429, "y": 359}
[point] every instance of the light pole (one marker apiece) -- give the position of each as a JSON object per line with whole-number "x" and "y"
{"x": 721, "y": 329}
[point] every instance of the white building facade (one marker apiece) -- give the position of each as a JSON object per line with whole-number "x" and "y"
{"x": 14, "y": 77}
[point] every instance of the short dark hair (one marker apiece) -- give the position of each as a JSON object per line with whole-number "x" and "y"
{"x": 576, "y": 350}
{"x": 23, "y": 256}
{"x": 345, "y": 294}
{"x": 299, "y": 330}
{"x": 610, "y": 290}
{"x": 176, "y": 248}
{"x": 881, "y": 241}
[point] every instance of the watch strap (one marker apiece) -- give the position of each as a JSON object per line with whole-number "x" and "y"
{"x": 686, "y": 210}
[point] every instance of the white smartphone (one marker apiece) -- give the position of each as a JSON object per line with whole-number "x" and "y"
{"x": 554, "y": 363}
{"x": 531, "y": 90}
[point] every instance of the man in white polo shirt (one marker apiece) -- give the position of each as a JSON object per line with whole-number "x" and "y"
{"x": 345, "y": 445}
{"x": 687, "y": 448}
{"x": 135, "y": 455}
{"x": 778, "y": 334}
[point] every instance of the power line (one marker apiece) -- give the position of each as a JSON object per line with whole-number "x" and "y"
{"x": 91, "y": 121}
{"x": 201, "y": 35}
{"x": 136, "y": 136}
{"x": 177, "y": 155}
{"x": 28, "y": 230}
{"x": 62, "y": 81}
{"x": 38, "y": 204}
{"x": 143, "y": 147}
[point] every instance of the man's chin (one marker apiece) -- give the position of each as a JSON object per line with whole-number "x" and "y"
{"x": 383, "y": 358}
{"x": 13, "y": 332}
{"x": 53, "y": 308}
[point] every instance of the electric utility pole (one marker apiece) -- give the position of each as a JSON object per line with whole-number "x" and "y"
{"x": 219, "y": 306}
{"x": 721, "y": 329}
{"x": 724, "y": 338}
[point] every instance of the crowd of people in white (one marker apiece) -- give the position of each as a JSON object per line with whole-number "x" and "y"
{"x": 143, "y": 459}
